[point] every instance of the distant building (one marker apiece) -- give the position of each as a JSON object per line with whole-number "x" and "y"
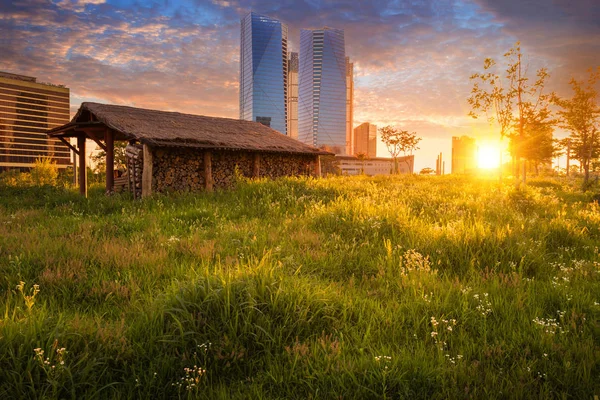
{"x": 292, "y": 93}
{"x": 365, "y": 140}
{"x": 464, "y": 154}
{"x": 349, "y": 107}
{"x": 350, "y": 165}
{"x": 322, "y": 89}
{"x": 263, "y": 71}
{"x": 27, "y": 110}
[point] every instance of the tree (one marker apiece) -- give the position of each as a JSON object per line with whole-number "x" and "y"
{"x": 580, "y": 115}
{"x": 427, "y": 171}
{"x": 398, "y": 141}
{"x": 537, "y": 146}
{"x": 99, "y": 159}
{"x": 512, "y": 101}
{"x": 362, "y": 157}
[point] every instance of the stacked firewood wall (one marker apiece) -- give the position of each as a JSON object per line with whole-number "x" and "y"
{"x": 278, "y": 165}
{"x": 177, "y": 170}
{"x": 225, "y": 165}
{"x": 135, "y": 165}
{"x": 182, "y": 169}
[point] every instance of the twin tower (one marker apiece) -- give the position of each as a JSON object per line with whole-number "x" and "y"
{"x": 307, "y": 96}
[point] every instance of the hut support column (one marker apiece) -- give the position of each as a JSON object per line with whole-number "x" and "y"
{"x": 256, "y": 166}
{"x": 110, "y": 161}
{"x": 318, "y": 167}
{"x": 208, "y": 179}
{"x": 74, "y": 168}
{"x": 147, "y": 172}
{"x": 82, "y": 165}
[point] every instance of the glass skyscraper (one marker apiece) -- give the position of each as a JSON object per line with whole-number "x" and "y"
{"x": 263, "y": 71}
{"x": 322, "y": 89}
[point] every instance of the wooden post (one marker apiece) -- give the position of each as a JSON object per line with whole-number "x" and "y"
{"x": 82, "y": 165}
{"x": 147, "y": 172}
{"x": 110, "y": 161}
{"x": 256, "y": 166}
{"x": 318, "y": 167}
{"x": 74, "y": 168}
{"x": 208, "y": 179}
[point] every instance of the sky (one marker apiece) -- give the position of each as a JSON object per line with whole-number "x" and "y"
{"x": 412, "y": 59}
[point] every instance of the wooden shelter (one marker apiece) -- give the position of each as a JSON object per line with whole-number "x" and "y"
{"x": 152, "y": 129}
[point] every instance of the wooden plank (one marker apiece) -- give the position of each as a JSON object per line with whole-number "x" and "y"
{"x": 82, "y": 165}
{"x": 69, "y": 145}
{"x": 208, "y": 179}
{"x": 256, "y": 166}
{"x": 110, "y": 161}
{"x": 147, "y": 172}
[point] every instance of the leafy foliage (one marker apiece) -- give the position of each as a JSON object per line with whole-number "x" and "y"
{"x": 397, "y": 141}
{"x": 519, "y": 107}
{"x": 580, "y": 115}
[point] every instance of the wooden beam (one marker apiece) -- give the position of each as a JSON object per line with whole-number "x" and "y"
{"x": 256, "y": 166}
{"x": 318, "y": 167}
{"x": 95, "y": 139}
{"x": 147, "y": 172}
{"x": 110, "y": 161}
{"x": 75, "y": 168}
{"x": 69, "y": 145}
{"x": 82, "y": 166}
{"x": 208, "y": 179}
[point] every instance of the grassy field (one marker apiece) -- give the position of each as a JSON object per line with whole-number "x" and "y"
{"x": 409, "y": 287}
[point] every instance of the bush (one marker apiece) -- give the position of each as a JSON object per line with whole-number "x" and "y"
{"x": 44, "y": 172}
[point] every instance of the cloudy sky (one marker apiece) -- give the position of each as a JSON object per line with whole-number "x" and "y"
{"x": 412, "y": 58}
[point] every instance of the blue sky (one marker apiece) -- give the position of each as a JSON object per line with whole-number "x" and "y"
{"x": 412, "y": 59}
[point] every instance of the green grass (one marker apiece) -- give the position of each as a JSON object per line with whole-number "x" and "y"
{"x": 406, "y": 287}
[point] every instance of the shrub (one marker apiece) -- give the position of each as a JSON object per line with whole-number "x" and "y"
{"x": 44, "y": 172}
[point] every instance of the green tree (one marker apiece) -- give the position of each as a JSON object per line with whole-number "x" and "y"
{"x": 397, "y": 141}
{"x": 512, "y": 101}
{"x": 99, "y": 158}
{"x": 362, "y": 157}
{"x": 580, "y": 115}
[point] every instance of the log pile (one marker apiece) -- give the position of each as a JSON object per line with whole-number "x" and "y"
{"x": 177, "y": 170}
{"x": 182, "y": 169}
{"x": 278, "y": 165}
{"x": 135, "y": 165}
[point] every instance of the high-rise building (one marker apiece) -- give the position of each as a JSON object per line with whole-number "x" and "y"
{"x": 263, "y": 71}
{"x": 27, "y": 110}
{"x": 292, "y": 93}
{"x": 322, "y": 89}
{"x": 365, "y": 140}
{"x": 464, "y": 154}
{"x": 349, "y": 106}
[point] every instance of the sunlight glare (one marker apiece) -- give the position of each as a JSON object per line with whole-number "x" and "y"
{"x": 488, "y": 157}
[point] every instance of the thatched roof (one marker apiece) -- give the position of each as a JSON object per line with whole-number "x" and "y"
{"x": 173, "y": 129}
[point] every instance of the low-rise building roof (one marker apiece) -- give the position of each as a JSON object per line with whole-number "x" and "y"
{"x": 166, "y": 128}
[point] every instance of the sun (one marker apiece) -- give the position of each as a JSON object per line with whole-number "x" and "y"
{"x": 488, "y": 157}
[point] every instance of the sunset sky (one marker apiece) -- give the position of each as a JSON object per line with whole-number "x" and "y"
{"x": 412, "y": 59}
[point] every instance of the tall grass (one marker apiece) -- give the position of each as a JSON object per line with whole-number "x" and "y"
{"x": 403, "y": 287}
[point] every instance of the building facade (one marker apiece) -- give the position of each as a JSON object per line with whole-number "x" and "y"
{"x": 292, "y": 93}
{"x": 375, "y": 166}
{"x": 263, "y": 71}
{"x": 27, "y": 110}
{"x": 322, "y": 89}
{"x": 365, "y": 140}
{"x": 349, "y": 107}
{"x": 464, "y": 154}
